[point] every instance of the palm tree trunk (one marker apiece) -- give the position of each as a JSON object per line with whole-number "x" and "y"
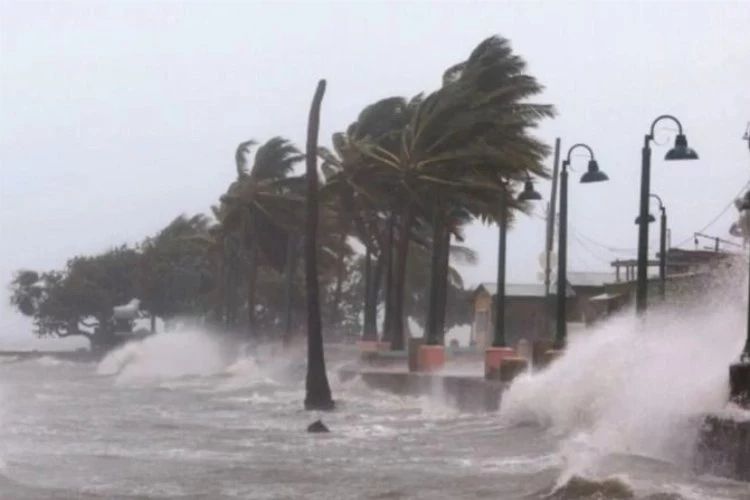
{"x": 432, "y": 336}
{"x": 368, "y": 332}
{"x": 291, "y": 251}
{"x": 340, "y": 269}
{"x": 388, "y": 289}
{"x": 231, "y": 292}
{"x": 221, "y": 299}
{"x": 252, "y": 279}
{"x": 318, "y": 391}
{"x": 443, "y": 283}
{"x": 371, "y": 314}
{"x": 398, "y": 342}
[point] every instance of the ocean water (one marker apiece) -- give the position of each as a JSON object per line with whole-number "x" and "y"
{"x": 184, "y": 416}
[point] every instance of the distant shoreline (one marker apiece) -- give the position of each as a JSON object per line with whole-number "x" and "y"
{"x": 80, "y": 356}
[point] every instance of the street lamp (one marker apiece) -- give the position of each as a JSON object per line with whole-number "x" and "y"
{"x": 739, "y": 373}
{"x": 662, "y": 245}
{"x": 593, "y": 174}
{"x": 680, "y": 151}
{"x": 528, "y": 194}
{"x": 499, "y": 351}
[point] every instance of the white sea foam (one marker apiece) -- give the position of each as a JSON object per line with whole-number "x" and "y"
{"x": 633, "y": 388}
{"x": 166, "y": 356}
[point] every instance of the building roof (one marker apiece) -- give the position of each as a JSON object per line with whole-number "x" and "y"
{"x": 522, "y": 289}
{"x": 592, "y": 279}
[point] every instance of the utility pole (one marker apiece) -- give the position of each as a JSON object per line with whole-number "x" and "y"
{"x": 549, "y": 244}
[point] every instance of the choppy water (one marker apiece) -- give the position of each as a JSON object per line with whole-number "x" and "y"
{"x": 177, "y": 417}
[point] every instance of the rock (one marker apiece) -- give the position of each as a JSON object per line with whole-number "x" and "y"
{"x": 317, "y": 427}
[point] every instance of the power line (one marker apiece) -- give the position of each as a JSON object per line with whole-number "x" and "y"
{"x": 713, "y": 221}
{"x": 590, "y": 251}
{"x": 602, "y": 245}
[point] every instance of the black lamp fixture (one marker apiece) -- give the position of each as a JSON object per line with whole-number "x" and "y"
{"x": 680, "y": 151}
{"x": 593, "y": 174}
{"x": 529, "y": 193}
{"x": 650, "y": 219}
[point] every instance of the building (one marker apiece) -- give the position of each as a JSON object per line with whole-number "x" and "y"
{"x": 691, "y": 276}
{"x": 527, "y": 312}
{"x": 593, "y": 296}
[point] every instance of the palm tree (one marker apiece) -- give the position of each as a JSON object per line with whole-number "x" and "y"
{"x": 261, "y": 208}
{"x": 318, "y": 391}
{"x": 463, "y": 145}
{"x": 353, "y": 178}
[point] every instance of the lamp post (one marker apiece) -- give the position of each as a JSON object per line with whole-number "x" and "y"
{"x": 593, "y": 174}
{"x": 662, "y": 245}
{"x": 528, "y": 194}
{"x": 680, "y": 151}
{"x": 499, "y": 349}
{"x": 739, "y": 373}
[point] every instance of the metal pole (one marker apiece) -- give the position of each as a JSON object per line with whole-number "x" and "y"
{"x": 641, "y": 297}
{"x": 663, "y": 256}
{"x": 745, "y": 357}
{"x": 562, "y": 257}
{"x": 550, "y": 243}
{"x": 498, "y": 339}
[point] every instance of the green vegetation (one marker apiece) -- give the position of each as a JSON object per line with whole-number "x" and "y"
{"x": 401, "y": 183}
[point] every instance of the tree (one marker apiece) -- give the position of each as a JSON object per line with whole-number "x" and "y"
{"x": 465, "y": 144}
{"x": 175, "y": 274}
{"x": 318, "y": 391}
{"x": 260, "y": 209}
{"x": 79, "y": 300}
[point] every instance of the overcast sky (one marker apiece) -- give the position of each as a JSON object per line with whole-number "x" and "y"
{"x": 117, "y": 116}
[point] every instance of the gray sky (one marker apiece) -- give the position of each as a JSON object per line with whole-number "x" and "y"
{"x": 117, "y": 116}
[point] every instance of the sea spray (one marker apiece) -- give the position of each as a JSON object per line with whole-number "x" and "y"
{"x": 634, "y": 388}
{"x": 168, "y": 355}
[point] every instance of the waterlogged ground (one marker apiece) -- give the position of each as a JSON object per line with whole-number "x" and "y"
{"x": 179, "y": 418}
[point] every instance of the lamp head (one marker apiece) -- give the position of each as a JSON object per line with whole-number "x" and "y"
{"x": 681, "y": 151}
{"x": 593, "y": 174}
{"x": 529, "y": 193}
{"x": 650, "y": 219}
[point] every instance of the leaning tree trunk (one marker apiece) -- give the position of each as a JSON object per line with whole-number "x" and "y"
{"x": 398, "y": 341}
{"x": 252, "y": 280}
{"x": 388, "y": 288}
{"x": 318, "y": 391}
{"x": 370, "y": 327}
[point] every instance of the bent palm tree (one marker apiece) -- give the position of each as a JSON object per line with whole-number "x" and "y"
{"x": 463, "y": 145}
{"x": 261, "y": 207}
{"x": 318, "y": 391}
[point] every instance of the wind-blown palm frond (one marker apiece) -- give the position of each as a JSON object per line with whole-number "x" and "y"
{"x": 275, "y": 160}
{"x": 240, "y": 157}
